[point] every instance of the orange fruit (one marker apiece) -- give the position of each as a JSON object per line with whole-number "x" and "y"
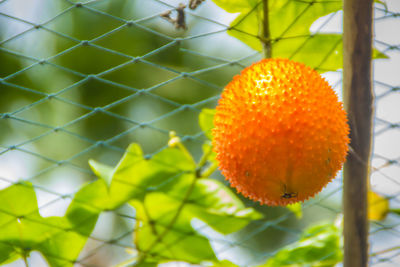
{"x": 280, "y": 132}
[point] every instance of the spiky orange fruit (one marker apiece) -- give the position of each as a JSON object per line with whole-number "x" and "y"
{"x": 280, "y": 133}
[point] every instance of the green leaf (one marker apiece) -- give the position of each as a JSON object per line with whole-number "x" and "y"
{"x": 376, "y": 54}
{"x": 319, "y": 51}
{"x": 296, "y": 209}
{"x": 224, "y": 263}
{"x": 102, "y": 171}
{"x": 294, "y": 18}
{"x": 216, "y": 205}
{"x": 87, "y": 204}
{"x": 234, "y": 6}
{"x": 323, "y": 52}
{"x": 147, "y": 264}
{"x": 206, "y": 118}
{"x": 246, "y": 28}
{"x": 135, "y": 176}
{"x": 378, "y": 206}
{"x": 318, "y": 246}
{"x": 7, "y": 253}
{"x": 18, "y": 214}
{"x": 18, "y": 200}
{"x": 57, "y": 248}
{"x": 24, "y": 230}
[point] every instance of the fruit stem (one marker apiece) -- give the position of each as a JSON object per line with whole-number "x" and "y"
{"x": 266, "y": 40}
{"x": 204, "y": 157}
{"x": 210, "y": 170}
{"x": 200, "y": 172}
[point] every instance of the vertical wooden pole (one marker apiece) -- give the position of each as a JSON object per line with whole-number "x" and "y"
{"x": 358, "y": 101}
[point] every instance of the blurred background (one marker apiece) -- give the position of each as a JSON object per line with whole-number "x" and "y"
{"x": 82, "y": 80}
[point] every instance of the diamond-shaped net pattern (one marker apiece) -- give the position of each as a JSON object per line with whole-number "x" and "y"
{"x": 82, "y": 80}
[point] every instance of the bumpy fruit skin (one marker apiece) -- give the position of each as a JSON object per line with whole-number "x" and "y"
{"x": 280, "y": 132}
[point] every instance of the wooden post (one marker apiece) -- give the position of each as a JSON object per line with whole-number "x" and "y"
{"x": 358, "y": 101}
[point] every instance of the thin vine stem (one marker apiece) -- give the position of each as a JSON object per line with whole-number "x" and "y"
{"x": 385, "y": 251}
{"x": 266, "y": 40}
{"x": 25, "y": 259}
{"x": 209, "y": 170}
